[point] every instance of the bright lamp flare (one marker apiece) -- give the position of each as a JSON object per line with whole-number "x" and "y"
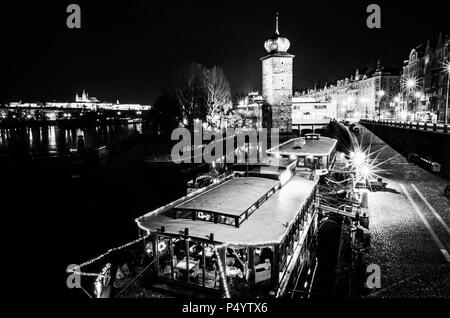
{"x": 447, "y": 67}
{"x": 366, "y": 171}
{"x": 410, "y": 83}
{"x": 357, "y": 158}
{"x": 364, "y": 163}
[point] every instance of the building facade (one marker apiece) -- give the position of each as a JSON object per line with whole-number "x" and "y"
{"x": 251, "y": 108}
{"x": 308, "y": 111}
{"x": 367, "y": 95}
{"x": 436, "y": 80}
{"x": 277, "y": 75}
{"x": 425, "y": 81}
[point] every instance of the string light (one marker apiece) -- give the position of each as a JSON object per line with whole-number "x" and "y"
{"x": 84, "y": 273}
{"x": 72, "y": 270}
{"x": 222, "y": 274}
{"x": 105, "y": 276}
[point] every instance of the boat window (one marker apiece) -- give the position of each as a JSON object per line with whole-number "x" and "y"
{"x": 301, "y": 161}
{"x": 252, "y": 209}
{"x": 184, "y": 214}
{"x": 226, "y": 220}
{"x": 163, "y": 245}
{"x": 205, "y": 216}
{"x": 236, "y": 264}
{"x": 324, "y": 162}
{"x": 263, "y": 255}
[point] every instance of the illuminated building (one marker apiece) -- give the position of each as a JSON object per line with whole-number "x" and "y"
{"x": 425, "y": 66}
{"x": 311, "y": 151}
{"x": 277, "y": 71}
{"x": 435, "y": 79}
{"x": 84, "y": 98}
{"x": 412, "y": 80}
{"x": 310, "y": 111}
{"x": 359, "y": 96}
{"x": 251, "y": 108}
{"x": 83, "y": 102}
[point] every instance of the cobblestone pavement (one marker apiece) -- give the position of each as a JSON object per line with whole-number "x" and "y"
{"x": 410, "y": 239}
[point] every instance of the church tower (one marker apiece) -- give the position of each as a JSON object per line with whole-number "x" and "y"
{"x": 277, "y": 82}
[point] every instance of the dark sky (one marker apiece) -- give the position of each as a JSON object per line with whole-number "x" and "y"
{"x": 126, "y": 49}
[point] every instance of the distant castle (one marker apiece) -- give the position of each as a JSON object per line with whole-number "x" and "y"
{"x": 84, "y": 98}
{"x": 81, "y": 102}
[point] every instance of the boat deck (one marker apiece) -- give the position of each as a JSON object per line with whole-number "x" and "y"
{"x": 299, "y": 147}
{"x": 267, "y": 224}
{"x": 232, "y": 197}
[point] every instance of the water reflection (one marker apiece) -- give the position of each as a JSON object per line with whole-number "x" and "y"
{"x": 54, "y": 139}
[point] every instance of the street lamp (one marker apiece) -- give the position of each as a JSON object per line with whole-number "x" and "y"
{"x": 411, "y": 84}
{"x": 380, "y": 94}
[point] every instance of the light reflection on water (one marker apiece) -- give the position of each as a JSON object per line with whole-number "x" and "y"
{"x": 54, "y": 139}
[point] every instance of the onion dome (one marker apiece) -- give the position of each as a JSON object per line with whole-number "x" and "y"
{"x": 277, "y": 43}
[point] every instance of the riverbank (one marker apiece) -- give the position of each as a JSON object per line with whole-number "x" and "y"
{"x": 68, "y": 123}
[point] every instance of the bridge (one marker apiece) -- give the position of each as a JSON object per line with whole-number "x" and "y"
{"x": 434, "y": 127}
{"x": 427, "y": 140}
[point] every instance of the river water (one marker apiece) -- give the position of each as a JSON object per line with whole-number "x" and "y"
{"x": 55, "y": 139}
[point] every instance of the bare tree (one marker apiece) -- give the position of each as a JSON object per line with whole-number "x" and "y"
{"x": 218, "y": 95}
{"x": 202, "y": 93}
{"x": 188, "y": 88}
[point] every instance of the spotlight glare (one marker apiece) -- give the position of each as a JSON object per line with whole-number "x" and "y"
{"x": 366, "y": 171}
{"x": 410, "y": 83}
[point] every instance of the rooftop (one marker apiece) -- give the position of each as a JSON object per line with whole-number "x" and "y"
{"x": 302, "y": 147}
{"x": 267, "y": 224}
{"x": 232, "y": 197}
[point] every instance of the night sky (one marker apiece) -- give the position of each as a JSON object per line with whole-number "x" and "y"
{"x": 126, "y": 49}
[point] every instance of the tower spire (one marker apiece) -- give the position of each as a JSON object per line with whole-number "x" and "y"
{"x": 276, "y": 24}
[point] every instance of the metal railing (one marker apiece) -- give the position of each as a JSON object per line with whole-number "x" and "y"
{"x": 411, "y": 125}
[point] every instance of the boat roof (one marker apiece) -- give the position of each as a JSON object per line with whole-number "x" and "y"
{"x": 323, "y": 146}
{"x": 267, "y": 225}
{"x": 232, "y": 197}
